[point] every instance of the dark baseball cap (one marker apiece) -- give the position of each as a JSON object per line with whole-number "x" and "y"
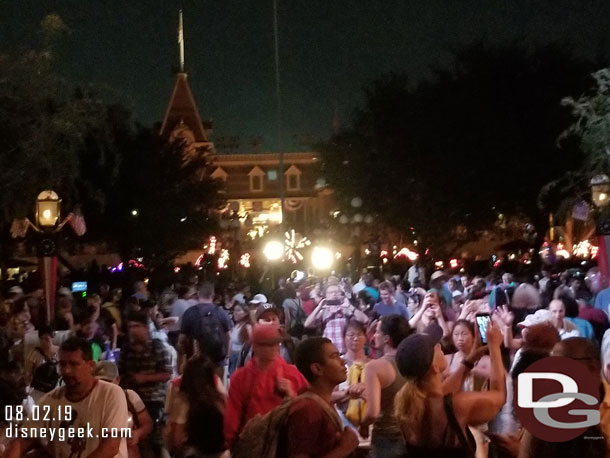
{"x": 264, "y": 308}
{"x": 414, "y": 355}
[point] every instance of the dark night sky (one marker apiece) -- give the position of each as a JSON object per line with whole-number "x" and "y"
{"x": 328, "y": 48}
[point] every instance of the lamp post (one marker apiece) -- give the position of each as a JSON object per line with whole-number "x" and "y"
{"x": 48, "y": 208}
{"x": 600, "y": 194}
{"x": 274, "y": 252}
{"x": 48, "y": 213}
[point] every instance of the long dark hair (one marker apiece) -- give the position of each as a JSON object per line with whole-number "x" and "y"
{"x": 206, "y": 405}
{"x": 199, "y": 381}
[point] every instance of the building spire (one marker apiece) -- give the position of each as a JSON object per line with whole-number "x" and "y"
{"x": 181, "y": 41}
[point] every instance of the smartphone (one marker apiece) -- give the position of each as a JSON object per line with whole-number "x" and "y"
{"x": 483, "y": 320}
{"x": 334, "y": 302}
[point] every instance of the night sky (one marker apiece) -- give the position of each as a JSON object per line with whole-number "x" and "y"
{"x": 328, "y": 49}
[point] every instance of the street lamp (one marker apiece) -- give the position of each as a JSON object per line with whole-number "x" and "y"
{"x": 273, "y": 250}
{"x": 600, "y": 190}
{"x": 47, "y": 209}
{"x": 600, "y": 194}
{"x": 322, "y": 258}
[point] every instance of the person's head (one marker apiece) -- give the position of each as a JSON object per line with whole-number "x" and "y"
{"x": 413, "y": 302}
{"x": 150, "y": 307}
{"x": 137, "y": 327}
{"x": 206, "y": 291}
{"x": 290, "y": 291}
{"x": 94, "y": 300}
{"x": 570, "y": 305}
{"x": 76, "y": 362}
{"x": 45, "y": 336}
{"x": 115, "y": 295}
{"x": 267, "y": 314}
{"x": 367, "y": 279}
{"x": 319, "y": 361}
{"x": 265, "y": 341}
{"x": 333, "y": 292}
{"x": 463, "y": 335}
{"x": 386, "y": 292}
{"x": 354, "y": 336}
{"x": 139, "y": 287}
{"x": 420, "y": 361}
{"x": 391, "y": 330}
{"x": 240, "y": 313}
{"x": 186, "y": 292}
{"x": 558, "y": 311}
{"x": 107, "y": 371}
{"x": 541, "y": 337}
{"x": 582, "y": 350}
{"x": 507, "y": 278}
{"x": 88, "y": 324}
{"x": 198, "y": 380}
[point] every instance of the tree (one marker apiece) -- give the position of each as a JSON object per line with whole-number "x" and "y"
{"x": 82, "y": 143}
{"x": 463, "y": 146}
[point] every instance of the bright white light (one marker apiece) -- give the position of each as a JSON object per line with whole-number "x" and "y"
{"x": 182, "y": 220}
{"x": 603, "y": 196}
{"x": 411, "y": 255}
{"x": 263, "y": 217}
{"x": 273, "y": 250}
{"x": 134, "y": 212}
{"x": 46, "y": 214}
{"x": 322, "y": 258}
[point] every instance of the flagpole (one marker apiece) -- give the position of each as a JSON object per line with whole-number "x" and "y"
{"x": 278, "y": 97}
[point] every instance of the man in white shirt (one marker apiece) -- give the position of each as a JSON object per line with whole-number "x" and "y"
{"x": 81, "y": 418}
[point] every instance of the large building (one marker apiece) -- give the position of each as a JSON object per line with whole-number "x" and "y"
{"x": 252, "y": 180}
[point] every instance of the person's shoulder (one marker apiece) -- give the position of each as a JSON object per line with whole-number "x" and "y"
{"x": 106, "y": 387}
{"x": 303, "y": 406}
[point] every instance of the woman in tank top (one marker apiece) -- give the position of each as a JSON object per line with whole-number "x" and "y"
{"x": 382, "y": 382}
{"x": 434, "y": 424}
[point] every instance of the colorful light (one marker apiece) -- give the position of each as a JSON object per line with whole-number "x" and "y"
{"x": 453, "y": 263}
{"x": 212, "y": 245}
{"x": 293, "y": 243}
{"x": 176, "y": 270}
{"x": 223, "y": 259}
{"x": 244, "y": 260}
{"x": 406, "y": 253}
{"x": 199, "y": 260}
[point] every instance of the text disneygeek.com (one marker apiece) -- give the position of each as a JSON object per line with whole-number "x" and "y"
{"x": 62, "y": 434}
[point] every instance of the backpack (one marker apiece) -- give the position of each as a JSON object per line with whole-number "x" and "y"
{"x": 211, "y": 335}
{"x": 261, "y": 435}
{"x": 45, "y": 376}
{"x": 297, "y": 318}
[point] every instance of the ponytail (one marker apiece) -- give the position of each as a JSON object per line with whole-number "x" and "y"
{"x": 409, "y": 405}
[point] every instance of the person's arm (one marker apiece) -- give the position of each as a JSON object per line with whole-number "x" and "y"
{"x": 360, "y": 316}
{"x": 372, "y": 388}
{"x": 185, "y": 345}
{"x": 234, "y": 408}
{"x": 440, "y": 319}
{"x": 108, "y": 448}
{"x": 144, "y": 429}
{"x": 476, "y": 408}
{"x": 504, "y": 318}
{"x": 454, "y": 380}
{"x": 413, "y": 322}
{"x": 312, "y": 320}
{"x": 17, "y": 448}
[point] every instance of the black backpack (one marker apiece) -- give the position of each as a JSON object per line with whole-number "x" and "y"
{"x": 211, "y": 335}
{"x": 45, "y": 376}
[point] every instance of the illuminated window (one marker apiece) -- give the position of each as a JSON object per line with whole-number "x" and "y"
{"x": 256, "y": 176}
{"x": 293, "y": 179}
{"x": 272, "y": 175}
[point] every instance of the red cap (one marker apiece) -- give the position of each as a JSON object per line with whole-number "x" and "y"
{"x": 266, "y": 334}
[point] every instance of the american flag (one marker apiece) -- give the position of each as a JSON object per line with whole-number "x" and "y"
{"x": 77, "y": 223}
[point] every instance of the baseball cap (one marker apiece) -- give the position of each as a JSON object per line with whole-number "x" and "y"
{"x": 438, "y": 274}
{"x": 263, "y": 308}
{"x": 106, "y": 370}
{"x": 414, "y": 355}
{"x": 266, "y": 334}
{"x": 541, "y": 316}
{"x": 15, "y": 290}
{"x": 259, "y": 299}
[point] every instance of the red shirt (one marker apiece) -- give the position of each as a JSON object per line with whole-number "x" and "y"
{"x": 253, "y": 392}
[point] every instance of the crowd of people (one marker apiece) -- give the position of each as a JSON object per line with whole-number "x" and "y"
{"x": 384, "y": 367}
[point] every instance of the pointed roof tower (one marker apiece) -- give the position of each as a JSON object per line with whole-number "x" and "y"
{"x": 182, "y": 116}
